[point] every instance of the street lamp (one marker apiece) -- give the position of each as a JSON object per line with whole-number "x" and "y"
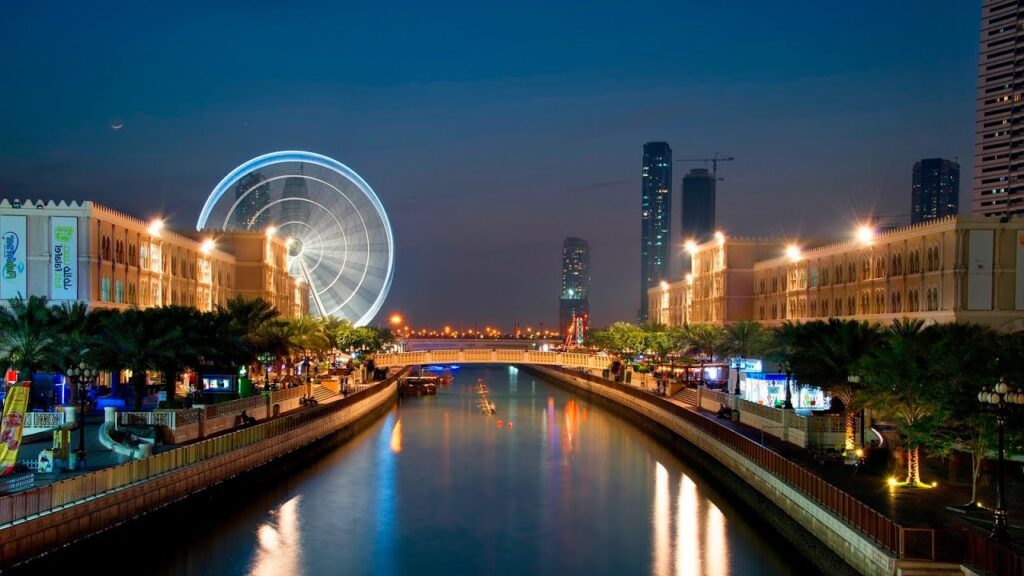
{"x": 854, "y": 380}
{"x": 1000, "y": 401}
{"x": 265, "y": 359}
{"x": 79, "y": 376}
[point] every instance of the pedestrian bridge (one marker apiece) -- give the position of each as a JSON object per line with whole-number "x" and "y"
{"x": 472, "y": 356}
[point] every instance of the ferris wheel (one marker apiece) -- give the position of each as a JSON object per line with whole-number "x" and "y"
{"x": 339, "y": 237}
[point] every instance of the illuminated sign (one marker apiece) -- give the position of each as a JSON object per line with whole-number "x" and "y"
{"x": 12, "y": 257}
{"x": 63, "y": 258}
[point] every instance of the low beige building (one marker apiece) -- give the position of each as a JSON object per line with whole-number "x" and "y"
{"x": 956, "y": 269}
{"x": 90, "y": 253}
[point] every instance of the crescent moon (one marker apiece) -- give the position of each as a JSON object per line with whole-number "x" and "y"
{"x": 117, "y": 126}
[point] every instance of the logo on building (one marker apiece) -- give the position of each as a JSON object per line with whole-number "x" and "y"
{"x": 12, "y": 267}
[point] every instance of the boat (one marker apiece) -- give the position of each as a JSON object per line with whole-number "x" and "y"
{"x": 485, "y": 404}
{"x": 418, "y": 386}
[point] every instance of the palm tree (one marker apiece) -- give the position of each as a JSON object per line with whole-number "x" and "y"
{"x": 73, "y": 330}
{"x": 905, "y": 384}
{"x": 133, "y": 339}
{"x": 26, "y": 335}
{"x": 746, "y": 339}
{"x": 971, "y": 357}
{"x": 784, "y": 348}
{"x": 184, "y": 330}
{"x": 831, "y": 357}
{"x": 707, "y": 341}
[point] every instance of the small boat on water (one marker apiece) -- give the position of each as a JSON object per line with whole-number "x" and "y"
{"x": 485, "y": 404}
{"x": 419, "y": 386}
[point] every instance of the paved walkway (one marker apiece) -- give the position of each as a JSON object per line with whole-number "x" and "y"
{"x": 99, "y": 457}
{"x": 912, "y": 507}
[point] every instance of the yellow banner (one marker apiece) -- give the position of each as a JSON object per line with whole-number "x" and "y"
{"x": 13, "y": 422}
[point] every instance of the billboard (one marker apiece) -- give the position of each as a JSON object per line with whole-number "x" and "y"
{"x": 1019, "y": 287}
{"x": 11, "y": 426}
{"x": 979, "y": 273}
{"x": 12, "y": 257}
{"x": 63, "y": 258}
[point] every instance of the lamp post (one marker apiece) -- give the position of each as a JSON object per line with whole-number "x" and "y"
{"x": 854, "y": 380}
{"x": 265, "y": 359}
{"x": 79, "y": 376}
{"x": 1000, "y": 400}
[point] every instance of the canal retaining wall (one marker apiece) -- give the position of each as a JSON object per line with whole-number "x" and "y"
{"x": 802, "y": 520}
{"x": 43, "y": 519}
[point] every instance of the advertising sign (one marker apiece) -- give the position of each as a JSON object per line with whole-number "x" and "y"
{"x": 63, "y": 258}
{"x": 1019, "y": 287}
{"x": 979, "y": 273}
{"x": 12, "y": 257}
{"x": 11, "y": 426}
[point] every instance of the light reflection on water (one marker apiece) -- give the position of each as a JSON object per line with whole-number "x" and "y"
{"x": 279, "y": 542}
{"x": 434, "y": 487}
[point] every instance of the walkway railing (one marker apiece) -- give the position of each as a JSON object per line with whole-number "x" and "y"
{"x": 29, "y": 503}
{"x": 44, "y": 420}
{"x": 882, "y": 530}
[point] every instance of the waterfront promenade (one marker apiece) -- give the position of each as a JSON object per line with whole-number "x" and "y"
{"x": 877, "y": 544}
{"x": 40, "y": 519}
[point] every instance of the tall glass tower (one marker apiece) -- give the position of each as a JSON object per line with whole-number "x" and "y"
{"x": 575, "y": 298}
{"x": 998, "y": 174}
{"x": 935, "y": 192}
{"x": 655, "y": 219}
{"x": 252, "y": 195}
{"x": 698, "y": 207}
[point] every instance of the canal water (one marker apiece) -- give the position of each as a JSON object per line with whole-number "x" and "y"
{"x": 550, "y": 485}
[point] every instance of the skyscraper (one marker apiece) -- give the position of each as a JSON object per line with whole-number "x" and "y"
{"x": 575, "y": 297}
{"x": 998, "y": 178}
{"x": 252, "y": 196}
{"x": 698, "y": 208}
{"x": 655, "y": 219}
{"x": 936, "y": 189}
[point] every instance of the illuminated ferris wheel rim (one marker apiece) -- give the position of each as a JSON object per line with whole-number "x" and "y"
{"x": 344, "y": 171}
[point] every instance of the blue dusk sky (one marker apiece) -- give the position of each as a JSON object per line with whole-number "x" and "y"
{"x": 492, "y": 131}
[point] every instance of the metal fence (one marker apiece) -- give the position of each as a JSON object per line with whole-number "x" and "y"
{"x": 21, "y": 505}
{"x": 982, "y": 552}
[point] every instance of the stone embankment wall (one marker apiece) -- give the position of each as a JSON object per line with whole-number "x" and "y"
{"x": 27, "y": 536}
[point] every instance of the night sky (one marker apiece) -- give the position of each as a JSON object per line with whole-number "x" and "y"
{"x": 490, "y": 133}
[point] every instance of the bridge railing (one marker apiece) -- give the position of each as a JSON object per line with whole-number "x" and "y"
{"x": 496, "y": 356}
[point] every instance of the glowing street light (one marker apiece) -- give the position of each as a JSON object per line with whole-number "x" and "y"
{"x": 396, "y": 319}
{"x": 793, "y": 253}
{"x": 691, "y": 246}
{"x": 271, "y": 230}
{"x": 720, "y": 237}
{"x": 208, "y": 246}
{"x": 664, "y": 286}
{"x": 155, "y": 226}
{"x": 865, "y": 235}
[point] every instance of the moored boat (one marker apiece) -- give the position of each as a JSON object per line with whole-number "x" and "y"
{"x": 419, "y": 386}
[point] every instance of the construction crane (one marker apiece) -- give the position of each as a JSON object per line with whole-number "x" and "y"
{"x": 714, "y": 163}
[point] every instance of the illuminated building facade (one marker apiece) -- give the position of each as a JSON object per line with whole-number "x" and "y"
{"x": 90, "y": 253}
{"x": 575, "y": 297}
{"x": 998, "y": 171}
{"x": 935, "y": 192}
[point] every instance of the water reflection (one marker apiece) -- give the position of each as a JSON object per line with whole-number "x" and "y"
{"x": 279, "y": 545}
{"x": 684, "y": 554}
{"x": 396, "y": 437}
{"x": 571, "y": 489}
